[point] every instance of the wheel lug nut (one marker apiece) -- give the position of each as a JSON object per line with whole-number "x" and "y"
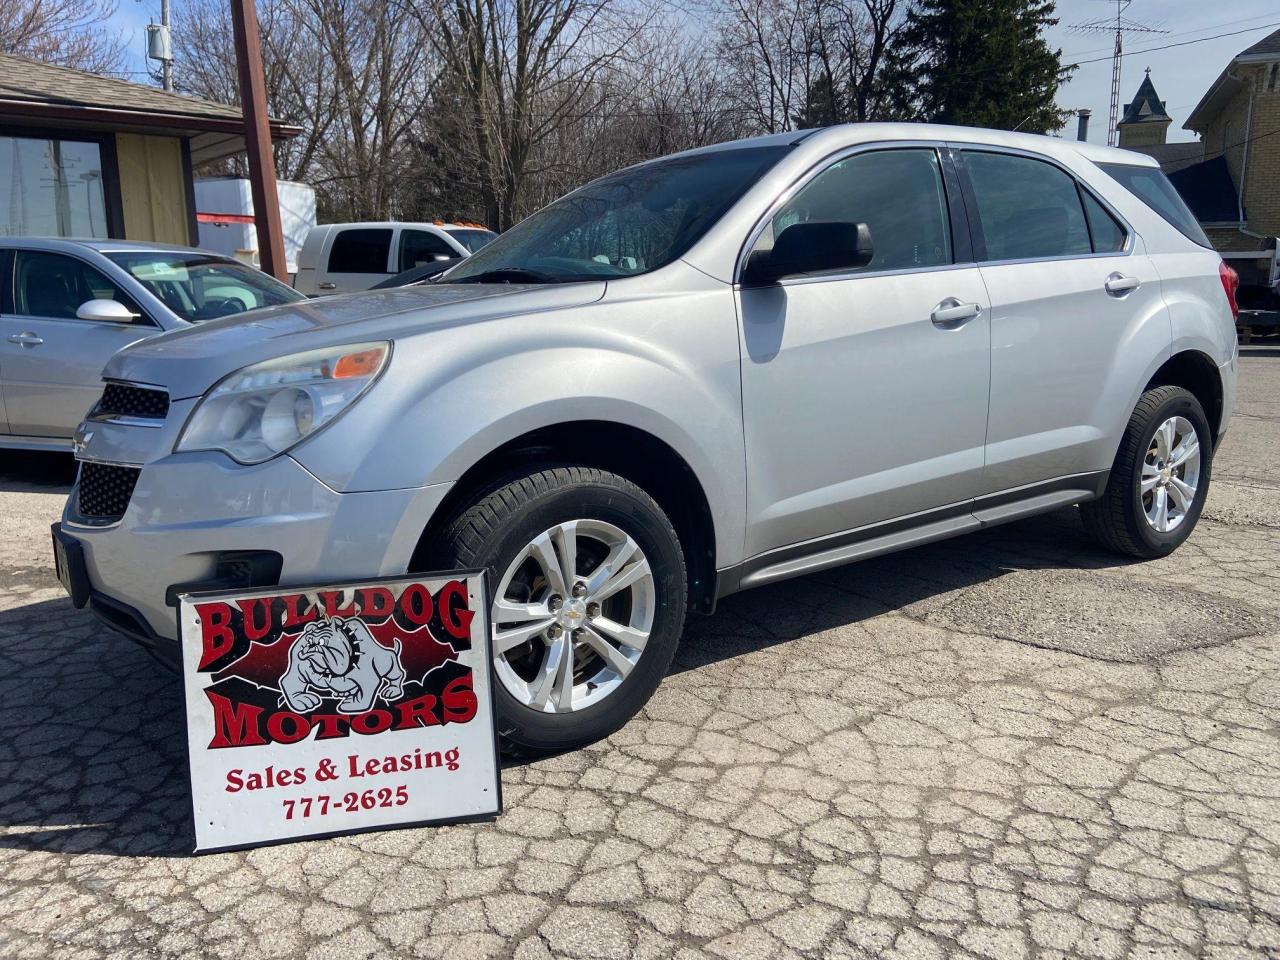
{"x": 593, "y": 609}
{"x": 579, "y": 589}
{"x": 555, "y": 603}
{"x": 578, "y": 634}
{"x": 554, "y": 631}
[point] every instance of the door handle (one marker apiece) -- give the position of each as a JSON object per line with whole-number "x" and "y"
{"x": 951, "y": 313}
{"x": 1118, "y": 284}
{"x": 328, "y": 286}
{"x": 27, "y": 339}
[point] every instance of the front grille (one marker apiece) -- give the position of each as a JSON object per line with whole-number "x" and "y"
{"x": 126, "y": 400}
{"x": 105, "y": 490}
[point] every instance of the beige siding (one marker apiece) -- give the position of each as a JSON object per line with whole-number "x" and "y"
{"x": 153, "y": 188}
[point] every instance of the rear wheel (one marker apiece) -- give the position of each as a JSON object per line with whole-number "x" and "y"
{"x": 588, "y": 600}
{"x": 1159, "y": 480}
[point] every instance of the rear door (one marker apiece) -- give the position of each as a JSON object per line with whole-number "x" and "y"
{"x": 357, "y": 259}
{"x": 1072, "y": 291}
{"x": 50, "y": 361}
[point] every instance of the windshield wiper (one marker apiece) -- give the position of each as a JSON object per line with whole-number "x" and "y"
{"x": 506, "y": 275}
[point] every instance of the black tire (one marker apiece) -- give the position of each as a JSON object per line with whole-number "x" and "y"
{"x": 1117, "y": 520}
{"x": 494, "y": 528}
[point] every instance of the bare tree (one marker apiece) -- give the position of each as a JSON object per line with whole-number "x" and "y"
{"x": 66, "y": 32}
{"x": 515, "y": 75}
{"x": 807, "y": 62}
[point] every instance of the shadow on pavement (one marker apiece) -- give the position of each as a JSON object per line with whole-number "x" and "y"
{"x": 92, "y": 738}
{"x": 22, "y": 471}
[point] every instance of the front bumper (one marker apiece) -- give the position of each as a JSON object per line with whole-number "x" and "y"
{"x": 188, "y": 510}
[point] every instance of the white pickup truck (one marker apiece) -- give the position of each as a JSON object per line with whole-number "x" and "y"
{"x": 346, "y": 257}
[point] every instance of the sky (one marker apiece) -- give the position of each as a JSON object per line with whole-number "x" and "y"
{"x": 1181, "y": 74}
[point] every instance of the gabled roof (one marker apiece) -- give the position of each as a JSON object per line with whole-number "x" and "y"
{"x": 1208, "y": 190}
{"x": 1146, "y": 105}
{"x": 1269, "y": 44}
{"x": 50, "y": 95}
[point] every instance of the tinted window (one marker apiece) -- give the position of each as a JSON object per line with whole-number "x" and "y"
{"x": 420, "y": 247}
{"x": 1028, "y": 209}
{"x": 197, "y": 287}
{"x": 473, "y": 239}
{"x": 898, "y": 194}
{"x": 53, "y": 285}
{"x": 627, "y": 223}
{"x": 1107, "y": 235}
{"x": 1154, "y": 189}
{"x": 360, "y": 251}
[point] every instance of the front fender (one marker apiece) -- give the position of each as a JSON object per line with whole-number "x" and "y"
{"x": 454, "y": 396}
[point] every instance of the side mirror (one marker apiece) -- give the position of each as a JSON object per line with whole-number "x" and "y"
{"x": 107, "y": 311}
{"x": 804, "y": 249}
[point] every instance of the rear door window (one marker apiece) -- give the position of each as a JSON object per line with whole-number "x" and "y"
{"x": 1153, "y": 188}
{"x": 360, "y": 251}
{"x": 1027, "y": 209}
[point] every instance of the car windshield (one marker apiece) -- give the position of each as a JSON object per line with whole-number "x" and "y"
{"x": 473, "y": 238}
{"x": 198, "y": 287}
{"x": 627, "y": 223}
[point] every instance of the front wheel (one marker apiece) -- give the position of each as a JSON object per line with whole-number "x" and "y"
{"x": 588, "y": 604}
{"x": 1159, "y": 480}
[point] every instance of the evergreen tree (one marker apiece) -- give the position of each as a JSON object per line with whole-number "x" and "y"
{"x": 822, "y": 106}
{"x": 979, "y": 63}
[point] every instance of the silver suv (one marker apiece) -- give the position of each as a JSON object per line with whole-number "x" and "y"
{"x": 704, "y": 373}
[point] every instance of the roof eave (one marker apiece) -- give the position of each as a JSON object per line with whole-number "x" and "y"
{"x": 1195, "y": 121}
{"x": 38, "y": 110}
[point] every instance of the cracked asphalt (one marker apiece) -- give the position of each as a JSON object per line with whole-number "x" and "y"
{"x": 1006, "y": 745}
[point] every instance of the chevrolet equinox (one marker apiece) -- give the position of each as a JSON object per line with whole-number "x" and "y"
{"x": 704, "y": 373}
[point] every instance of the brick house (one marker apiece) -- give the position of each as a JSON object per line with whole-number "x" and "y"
{"x": 1230, "y": 178}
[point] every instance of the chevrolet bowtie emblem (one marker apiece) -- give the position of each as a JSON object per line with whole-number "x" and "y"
{"x": 80, "y": 442}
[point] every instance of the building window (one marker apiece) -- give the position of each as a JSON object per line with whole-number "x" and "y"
{"x": 1274, "y": 78}
{"x": 51, "y": 188}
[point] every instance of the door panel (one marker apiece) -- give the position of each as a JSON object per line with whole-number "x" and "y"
{"x": 857, "y": 407}
{"x": 52, "y": 362}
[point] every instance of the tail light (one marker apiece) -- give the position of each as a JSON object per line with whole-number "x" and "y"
{"x": 1230, "y": 284}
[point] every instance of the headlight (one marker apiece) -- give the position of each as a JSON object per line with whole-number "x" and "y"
{"x": 264, "y": 409}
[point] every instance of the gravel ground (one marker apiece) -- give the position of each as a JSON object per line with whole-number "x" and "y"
{"x": 1005, "y": 745}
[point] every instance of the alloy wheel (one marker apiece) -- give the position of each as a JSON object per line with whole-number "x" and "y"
{"x": 571, "y": 616}
{"x": 1170, "y": 474}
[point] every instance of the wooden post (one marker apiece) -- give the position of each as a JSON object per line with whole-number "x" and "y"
{"x": 257, "y": 138}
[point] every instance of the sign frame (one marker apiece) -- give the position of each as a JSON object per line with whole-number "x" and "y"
{"x": 481, "y": 645}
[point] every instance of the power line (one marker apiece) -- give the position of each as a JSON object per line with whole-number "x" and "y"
{"x": 1184, "y": 43}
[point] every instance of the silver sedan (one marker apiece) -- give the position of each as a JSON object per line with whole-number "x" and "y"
{"x": 66, "y": 306}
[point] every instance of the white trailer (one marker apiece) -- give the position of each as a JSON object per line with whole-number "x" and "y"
{"x": 224, "y": 214}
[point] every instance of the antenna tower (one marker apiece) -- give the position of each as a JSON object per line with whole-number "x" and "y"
{"x": 1120, "y": 25}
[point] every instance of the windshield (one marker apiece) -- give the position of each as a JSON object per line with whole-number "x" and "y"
{"x": 624, "y": 224}
{"x": 198, "y": 287}
{"x": 473, "y": 239}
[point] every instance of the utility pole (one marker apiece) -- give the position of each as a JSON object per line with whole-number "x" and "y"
{"x": 166, "y": 65}
{"x": 257, "y": 136}
{"x": 159, "y": 46}
{"x": 1121, "y": 25}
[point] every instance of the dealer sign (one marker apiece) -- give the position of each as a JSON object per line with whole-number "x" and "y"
{"x": 315, "y": 711}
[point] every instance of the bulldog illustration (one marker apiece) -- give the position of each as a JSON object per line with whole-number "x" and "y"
{"x": 339, "y": 658}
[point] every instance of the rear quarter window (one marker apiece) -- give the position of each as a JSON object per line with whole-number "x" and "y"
{"x": 1153, "y": 188}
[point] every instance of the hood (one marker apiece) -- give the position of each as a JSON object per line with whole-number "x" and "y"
{"x": 189, "y": 361}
